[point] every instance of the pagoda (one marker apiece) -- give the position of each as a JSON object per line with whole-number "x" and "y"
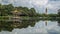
{"x": 46, "y": 14}
{"x": 46, "y": 11}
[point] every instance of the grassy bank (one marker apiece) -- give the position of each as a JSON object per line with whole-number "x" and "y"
{"x": 30, "y": 18}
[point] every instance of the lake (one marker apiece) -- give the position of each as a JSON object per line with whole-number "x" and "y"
{"x": 30, "y": 27}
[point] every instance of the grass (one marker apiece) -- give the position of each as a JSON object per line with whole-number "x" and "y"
{"x": 30, "y": 18}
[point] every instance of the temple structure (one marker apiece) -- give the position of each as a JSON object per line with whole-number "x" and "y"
{"x": 16, "y": 16}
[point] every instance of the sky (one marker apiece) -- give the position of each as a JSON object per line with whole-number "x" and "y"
{"x": 39, "y": 5}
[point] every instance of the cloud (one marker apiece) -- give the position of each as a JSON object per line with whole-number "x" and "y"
{"x": 54, "y": 0}
{"x": 39, "y": 5}
{"x": 25, "y": 2}
{"x": 55, "y": 4}
{"x": 39, "y": 2}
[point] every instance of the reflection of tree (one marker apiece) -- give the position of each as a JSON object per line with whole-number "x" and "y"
{"x": 9, "y": 26}
{"x": 5, "y": 26}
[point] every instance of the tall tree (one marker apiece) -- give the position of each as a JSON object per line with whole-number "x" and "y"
{"x": 59, "y": 12}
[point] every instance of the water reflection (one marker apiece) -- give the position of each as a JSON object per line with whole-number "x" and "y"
{"x": 30, "y": 27}
{"x": 58, "y": 22}
{"x": 46, "y": 22}
{"x": 9, "y": 26}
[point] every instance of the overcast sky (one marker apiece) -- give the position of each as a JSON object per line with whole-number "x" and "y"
{"x": 39, "y": 5}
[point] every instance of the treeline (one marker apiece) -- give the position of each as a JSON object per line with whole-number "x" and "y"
{"x": 50, "y": 15}
{"x": 6, "y": 10}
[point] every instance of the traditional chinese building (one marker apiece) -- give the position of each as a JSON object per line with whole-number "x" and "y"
{"x": 18, "y": 13}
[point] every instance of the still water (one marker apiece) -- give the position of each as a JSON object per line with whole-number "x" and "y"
{"x": 31, "y": 27}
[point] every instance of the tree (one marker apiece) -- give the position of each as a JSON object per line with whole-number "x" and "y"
{"x": 59, "y": 12}
{"x": 32, "y": 12}
{"x": 6, "y": 9}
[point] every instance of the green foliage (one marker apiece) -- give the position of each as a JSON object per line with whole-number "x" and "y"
{"x": 10, "y": 25}
{"x": 59, "y": 13}
{"x": 5, "y": 10}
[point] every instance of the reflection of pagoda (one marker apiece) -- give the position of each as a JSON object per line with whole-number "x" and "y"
{"x": 46, "y": 22}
